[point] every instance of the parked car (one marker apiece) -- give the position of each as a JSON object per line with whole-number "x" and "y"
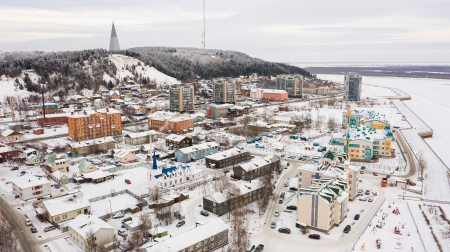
{"x": 122, "y": 232}
{"x": 363, "y": 167}
{"x": 347, "y": 229}
{"x": 388, "y": 176}
{"x": 273, "y": 224}
{"x": 284, "y": 230}
{"x": 314, "y": 236}
{"x": 363, "y": 199}
{"x": 49, "y": 228}
{"x": 127, "y": 219}
{"x": 15, "y": 168}
{"x": 300, "y": 158}
{"x": 286, "y": 183}
{"x": 259, "y": 248}
{"x": 288, "y": 164}
{"x": 282, "y": 155}
{"x": 361, "y": 190}
{"x": 375, "y": 174}
{"x": 57, "y": 186}
{"x": 293, "y": 188}
{"x": 118, "y": 215}
{"x": 375, "y": 193}
{"x": 277, "y": 213}
{"x": 361, "y": 172}
{"x": 370, "y": 199}
{"x": 291, "y": 207}
{"x": 204, "y": 213}
{"x": 367, "y": 192}
{"x": 28, "y": 222}
{"x": 357, "y": 216}
{"x": 181, "y": 223}
{"x": 127, "y": 181}
{"x": 226, "y": 171}
{"x": 33, "y": 230}
{"x": 40, "y": 198}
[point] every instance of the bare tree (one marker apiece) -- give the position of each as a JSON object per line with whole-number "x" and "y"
{"x": 421, "y": 163}
{"x": 91, "y": 245}
{"x": 331, "y": 123}
{"x": 146, "y": 223}
{"x": 134, "y": 240}
{"x": 8, "y": 240}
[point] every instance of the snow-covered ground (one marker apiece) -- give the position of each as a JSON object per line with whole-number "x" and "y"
{"x": 8, "y": 88}
{"x": 122, "y": 61}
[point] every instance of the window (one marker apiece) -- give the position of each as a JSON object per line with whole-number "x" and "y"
{"x": 79, "y": 212}
{"x": 56, "y": 218}
{"x": 191, "y": 248}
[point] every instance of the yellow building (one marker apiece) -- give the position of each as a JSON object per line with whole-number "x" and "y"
{"x": 54, "y": 163}
{"x": 370, "y": 118}
{"x": 11, "y": 135}
{"x": 64, "y": 208}
{"x": 80, "y": 227}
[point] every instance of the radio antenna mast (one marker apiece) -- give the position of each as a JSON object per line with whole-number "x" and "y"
{"x": 204, "y": 25}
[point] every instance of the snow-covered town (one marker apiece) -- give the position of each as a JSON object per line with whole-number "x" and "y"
{"x": 156, "y": 145}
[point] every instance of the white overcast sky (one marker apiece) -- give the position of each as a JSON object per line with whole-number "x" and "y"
{"x": 274, "y": 30}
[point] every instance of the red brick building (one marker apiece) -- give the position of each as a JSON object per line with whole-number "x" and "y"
{"x": 52, "y": 119}
{"x": 181, "y": 124}
{"x": 38, "y": 131}
{"x": 275, "y": 95}
{"x": 94, "y": 123}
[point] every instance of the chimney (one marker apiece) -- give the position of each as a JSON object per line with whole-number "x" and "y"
{"x": 71, "y": 113}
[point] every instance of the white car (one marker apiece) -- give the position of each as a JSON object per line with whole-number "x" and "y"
{"x": 277, "y": 213}
{"x": 118, "y": 215}
{"x": 28, "y": 222}
{"x": 122, "y": 232}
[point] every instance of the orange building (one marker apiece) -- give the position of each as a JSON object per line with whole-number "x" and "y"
{"x": 181, "y": 124}
{"x": 94, "y": 123}
{"x": 275, "y": 95}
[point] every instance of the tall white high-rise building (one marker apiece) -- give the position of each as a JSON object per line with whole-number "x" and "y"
{"x": 352, "y": 87}
{"x": 114, "y": 42}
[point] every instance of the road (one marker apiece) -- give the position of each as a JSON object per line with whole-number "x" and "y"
{"x": 274, "y": 241}
{"x": 26, "y": 239}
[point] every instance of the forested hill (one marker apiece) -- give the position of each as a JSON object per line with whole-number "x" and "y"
{"x": 184, "y": 63}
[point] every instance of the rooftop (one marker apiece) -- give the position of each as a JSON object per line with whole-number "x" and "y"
{"x": 82, "y": 224}
{"x": 29, "y": 180}
{"x": 65, "y": 204}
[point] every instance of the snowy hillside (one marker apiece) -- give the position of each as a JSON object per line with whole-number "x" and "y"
{"x": 122, "y": 62}
{"x": 8, "y": 88}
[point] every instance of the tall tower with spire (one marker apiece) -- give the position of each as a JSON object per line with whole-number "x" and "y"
{"x": 114, "y": 42}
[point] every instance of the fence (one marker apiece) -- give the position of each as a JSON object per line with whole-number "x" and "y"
{"x": 376, "y": 167}
{"x": 271, "y": 150}
{"x": 414, "y": 221}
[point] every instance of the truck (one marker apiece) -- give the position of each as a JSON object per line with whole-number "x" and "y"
{"x": 293, "y": 137}
{"x": 384, "y": 182}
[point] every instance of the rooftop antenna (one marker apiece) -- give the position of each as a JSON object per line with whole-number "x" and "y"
{"x": 204, "y": 25}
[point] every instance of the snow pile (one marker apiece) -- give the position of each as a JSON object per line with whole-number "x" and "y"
{"x": 122, "y": 62}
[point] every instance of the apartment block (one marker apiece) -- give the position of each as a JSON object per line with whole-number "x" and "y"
{"x": 226, "y": 158}
{"x": 215, "y": 111}
{"x": 94, "y": 124}
{"x": 160, "y": 120}
{"x": 29, "y": 186}
{"x": 224, "y": 90}
{"x": 292, "y": 84}
{"x": 181, "y": 97}
{"x": 274, "y": 95}
{"x": 196, "y": 152}
{"x": 181, "y": 124}
{"x": 352, "y": 87}
{"x": 369, "y": 118}
{"x": 363, "y": 142}
{"x": 50, "y": 108}
{"x": 90, "y": 146}
{"x": 207, "y": 237}
{"x": 256, "y": 167}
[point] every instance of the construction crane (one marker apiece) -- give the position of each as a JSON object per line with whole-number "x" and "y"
{"x": 204, "y": 27}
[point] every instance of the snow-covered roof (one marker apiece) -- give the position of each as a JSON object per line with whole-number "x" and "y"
{"x": 226, "y": 154}
{"x": 29, "y": 180}
{"x": 97, "y": 174}
{"x": 122, "y": 152}
{"x": 29, "y": 150}
{"x": 83, "y": 223}
{"x": 198, "y": 147}
{"x": 190, "y": 237}
{"x": 91, "y": 142}
{"x": 88, "y": 113}
{"x": 140, "y": 134}
{"x": 84, "y": 165}
{"x": 7, "y": 132}
{"x": 175, "y": 138}
{"x": 257, "y": 162}
{"x": 65, "y": 204}
{"x": 274, "y": 91}
{"x": 180, "y": 118}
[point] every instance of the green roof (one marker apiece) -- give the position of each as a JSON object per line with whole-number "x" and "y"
{"x": 51, "y": 160}
{"x": 329, "y": 155}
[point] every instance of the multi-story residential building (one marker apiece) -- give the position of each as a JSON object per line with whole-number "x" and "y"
{"x": 139, "y": 110}
{"x": 94, "y": 124}
{"x": 256, "y": 167}
{"x": 352, "y": 87}
{"x": 208, "y": 237}
{"x": 293, "y": 84}
{"x": 30, "y": 186}
{"x": 54, "y": 163}
{"x": 256, "y": 93}
{"x": 86, "y": 92}
{"x": 224, "y": 90}
{"x": 323, "y": 90}
{"x": 173, "y": 176}
{"x": 11, "y": 135}
{"x": 309, "y": 90}
{"x": 83, "y": 224}
{"x": 332, "y": 165}
{"x": 114, "y": 95}
{"x": 322, "y": 205}
{"x": 369, "y": 118}
{"x": 90, "y": 146}
{"x": 50, "y": 108}
{"x": 52, "y": 119}
{"x": 215, "y": 111}
{"x": 178, "y": 142}
{"x": 196, "y": 152}
{"x": 362, "y": 142}
{"x": 141, "y": 137}
{"x": 227, "y": 158}
{"x": 181, "y": 124}
{"x": 64, "y": 208}
{"x": 223, "y": 202}
{"x": 181, "y": 97}
{"x": 160, "y": 120}
{"x": 274, "y": 95}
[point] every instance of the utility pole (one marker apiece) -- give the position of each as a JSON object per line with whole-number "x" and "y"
{"x": 11, "y": 103}
{"x": 43, "y": 108}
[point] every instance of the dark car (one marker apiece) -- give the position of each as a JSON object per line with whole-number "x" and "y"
{"x": 314, "y": 236}
{"x": 226, "y": 171}
{"x": 292, "y": 207}
{"x": 204, "y": 213}
{"x": 40, "y": 198}
{"x": 127, "y": 219}
{"x": 284, "y": 230}
{"x": 388, "y": 176}
{"x": 347, "y": 229}
{"x": 357, "y": 216}
{"x": 33, "y": 230}
{"x": 259, "y": 248}
{"x": 57, "y": 186}
{"x": 282, "y": 155}
{"x": 288, "y": 164}
{"x": 15, "y": 168}
{"x": 181, "y": 223}
{"x": 293, "y": 188}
